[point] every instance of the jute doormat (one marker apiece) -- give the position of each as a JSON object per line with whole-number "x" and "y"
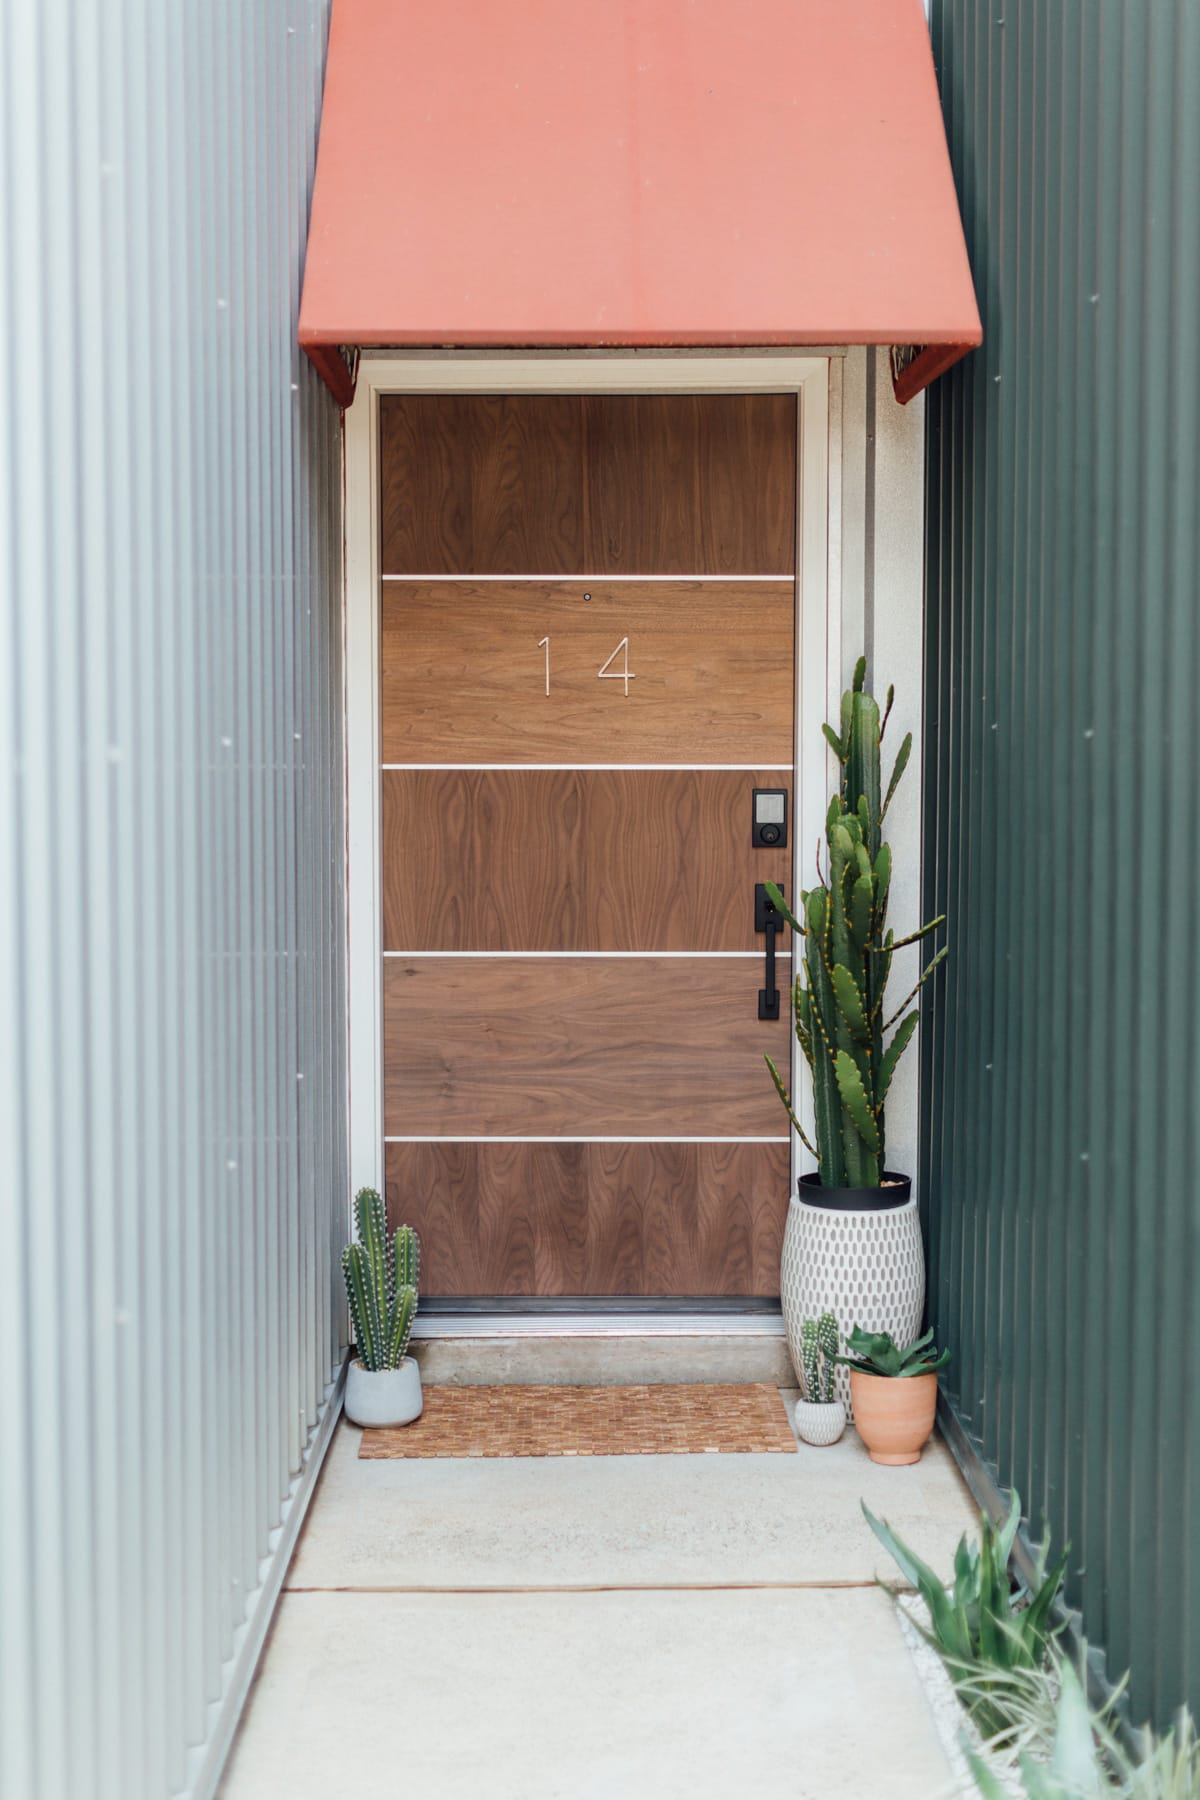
{"x": 590, "y": 1421}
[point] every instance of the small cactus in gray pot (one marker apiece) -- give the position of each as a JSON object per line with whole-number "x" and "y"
{"x": 820, "y": 1419}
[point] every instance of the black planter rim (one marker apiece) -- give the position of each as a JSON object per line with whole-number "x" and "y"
{"x": 813, "y": 1192}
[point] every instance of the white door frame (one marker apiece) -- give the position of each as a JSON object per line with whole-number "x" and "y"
{"x": 816, "y": 382}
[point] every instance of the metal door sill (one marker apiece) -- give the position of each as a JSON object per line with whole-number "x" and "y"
{"x": 579, "y": 1322}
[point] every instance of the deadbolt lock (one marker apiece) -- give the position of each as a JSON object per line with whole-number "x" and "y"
{"x": 769, "y": 830}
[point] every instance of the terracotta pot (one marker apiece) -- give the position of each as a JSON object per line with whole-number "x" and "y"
{"x": 893, "y": 1414}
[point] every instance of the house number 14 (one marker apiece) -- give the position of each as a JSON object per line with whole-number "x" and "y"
{"x": 605, "y": 672}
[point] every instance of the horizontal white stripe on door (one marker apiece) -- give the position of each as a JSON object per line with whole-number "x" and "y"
{"x": 569, "y": 579}
{"x": 658, "y": 1137}
{"x": 579, "y": 955}
{"x": 584, "y": 768}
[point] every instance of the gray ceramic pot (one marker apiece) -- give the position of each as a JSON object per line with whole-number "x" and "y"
{"x": 383, "y": 1396}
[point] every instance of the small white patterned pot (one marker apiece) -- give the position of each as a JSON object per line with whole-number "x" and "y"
{"x": 383, "y": 1396}
{"x": 866, "y": 1267}
{"x": 820, "y": 1421}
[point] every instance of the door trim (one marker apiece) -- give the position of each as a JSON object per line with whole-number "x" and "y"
{"x": 816, "y": 383}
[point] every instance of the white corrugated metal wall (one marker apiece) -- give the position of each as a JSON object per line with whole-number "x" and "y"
{"x": 172, "y": 1092}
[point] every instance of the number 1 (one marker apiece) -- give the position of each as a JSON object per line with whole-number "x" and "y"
{"x": 546, "y": 641}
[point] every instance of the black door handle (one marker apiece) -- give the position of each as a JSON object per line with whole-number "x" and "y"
{"x": 768, "y": 921}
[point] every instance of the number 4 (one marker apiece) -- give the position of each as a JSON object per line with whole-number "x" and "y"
{"x": 625, "y": 673}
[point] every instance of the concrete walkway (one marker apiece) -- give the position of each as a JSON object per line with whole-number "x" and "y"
{"x": 613, "y": 1628}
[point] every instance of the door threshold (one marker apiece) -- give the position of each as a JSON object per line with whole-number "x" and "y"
{"x": 580, "y": 1323}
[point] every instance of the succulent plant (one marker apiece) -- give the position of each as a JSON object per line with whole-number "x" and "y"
{"x": 838, "y": 1000}
{"x": 381, "y": 1284}
{"x": 875, "y": 1353}
{"x": 818, "y": 1353}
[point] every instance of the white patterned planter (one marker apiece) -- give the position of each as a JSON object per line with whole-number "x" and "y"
{"x": 867, "y": 1268}
{"x": 820, "y": 1422}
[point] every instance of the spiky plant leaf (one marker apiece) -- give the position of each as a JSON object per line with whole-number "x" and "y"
{"x": 782, "y": 908}
{"x": 949, "y": 1628}
{"x": 834, "y": 742}
{"x": 854, "y": 1099}
{"x": 892, "y": 1055}
{"x": 862, "y": 902}
{"x": 781, "y": 1090}
{"x": 914, "y": 937}
{"x": 850, "y": 1002}
{"x": 898, "y": 768}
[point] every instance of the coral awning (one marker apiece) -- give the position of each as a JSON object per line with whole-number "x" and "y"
{"x": 634, "y": 172}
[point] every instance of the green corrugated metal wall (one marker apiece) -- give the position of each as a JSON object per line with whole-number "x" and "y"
{"x": 1061, "y": 1067}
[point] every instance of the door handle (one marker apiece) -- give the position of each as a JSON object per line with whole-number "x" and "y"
{"x": 769, "y": 922}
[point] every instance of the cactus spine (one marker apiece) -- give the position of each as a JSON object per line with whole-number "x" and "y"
{"x": 838, "y": 1000}
{"x": 381, "y": 1284}
{"x": 818, "y": 1348}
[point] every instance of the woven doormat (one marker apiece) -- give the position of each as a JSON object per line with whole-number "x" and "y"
{"x": 590, "y": 1421}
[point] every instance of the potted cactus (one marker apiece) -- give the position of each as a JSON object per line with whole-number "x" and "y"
{"x": 820, "y": 1419}
{"x": 383, "y": 1383}
{"x": 853, "y": 1241}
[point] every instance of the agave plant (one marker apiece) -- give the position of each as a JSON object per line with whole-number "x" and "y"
{"x": 875, "y": 1353}
{"x": 979, "y": 1626}
{"x": 838, "y": 1002}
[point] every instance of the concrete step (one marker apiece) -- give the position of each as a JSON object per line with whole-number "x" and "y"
{"x": 602, "y": 1350}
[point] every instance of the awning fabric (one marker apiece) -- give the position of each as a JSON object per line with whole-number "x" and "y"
{"x": 634, "y": 172}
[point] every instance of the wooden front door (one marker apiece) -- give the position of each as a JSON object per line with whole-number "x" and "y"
{"x": 587, "y": 667}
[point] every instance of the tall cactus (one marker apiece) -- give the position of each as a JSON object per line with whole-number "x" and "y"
{"x": 838, "y": 1001}
{"x": 381, "y": 1284}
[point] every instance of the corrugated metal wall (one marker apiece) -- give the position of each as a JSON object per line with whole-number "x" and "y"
{"x": 172, "y": 1105}
{"x": 1061, "y": 1078}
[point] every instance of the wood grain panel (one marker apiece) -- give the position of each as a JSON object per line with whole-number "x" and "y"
{"x": 463, "y": 674}
{"x": 690, "y": 483}
{"x": 549, "y": 859}
{"x": 480, "y": 483}
{"x": 701, "y": 484}
{"x": 547, "y": 1046}
{"x": 593, "y": 1219}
